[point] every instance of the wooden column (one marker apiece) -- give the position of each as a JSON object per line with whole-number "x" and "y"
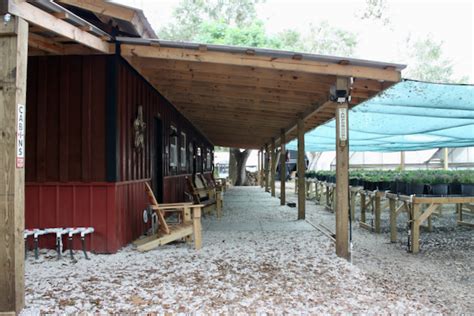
{"x": 262, "y": 180}
{"x": 402, "y": 160}
{"x": 283, "y": 168}
{"x": 258, "y": 168}
{"x": 342, "y": 175}
{"x": 301, "y": 171}
{"x": 13, "y": 56}
{"x": 273, "y": 166}
{"x": 446, "y": 157}
{"x": 267, "y": 169}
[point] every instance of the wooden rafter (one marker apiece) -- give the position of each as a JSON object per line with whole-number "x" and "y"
{"x": 56, "y": 25}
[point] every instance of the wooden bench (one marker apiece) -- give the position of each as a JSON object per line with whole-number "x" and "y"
{"x": 188, "y": 225}
{"x": 205, "y": 194}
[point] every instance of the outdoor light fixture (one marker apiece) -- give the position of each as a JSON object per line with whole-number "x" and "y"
{"x": 339, "y": 96}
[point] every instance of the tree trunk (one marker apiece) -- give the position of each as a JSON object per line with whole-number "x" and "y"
{"x": 232, "y": 167}
{"x": 241, "y": 160}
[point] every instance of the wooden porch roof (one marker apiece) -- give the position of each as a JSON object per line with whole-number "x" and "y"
{"x": 244, "y": 97}
{"x": 237, "y": 97}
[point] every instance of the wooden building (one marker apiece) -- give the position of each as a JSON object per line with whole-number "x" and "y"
{"x": 83, "y": 167}
{"x": 109, "y": 107}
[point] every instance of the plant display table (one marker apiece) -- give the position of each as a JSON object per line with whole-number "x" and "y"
{"x": 421, "y": 209}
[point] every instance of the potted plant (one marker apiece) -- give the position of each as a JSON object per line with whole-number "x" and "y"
{"x": 439, "y": 183}
{"x": 467, "y": 183}
{"x": 455, "y": 185}
{"x": 416, "y": 184}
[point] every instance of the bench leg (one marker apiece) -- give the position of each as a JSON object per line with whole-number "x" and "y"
{"x": 197, "y": 228}
{"x": 219, "y": 204}
{"x": 187, "y": 218}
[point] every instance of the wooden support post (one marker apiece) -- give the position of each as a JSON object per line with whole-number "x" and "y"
{"x": 415, "y": 228}
{"x": 273, "y": 166}
{"x": 13, "y": 56}
{"x": 262, "y": 168}
{"x": 353, "y": 206}
{"x": 402, "y": 160}
{"x": 267, "y": 168}
{"x": 393, "y": 220}
{"x": 342, "y": 175}
{"x": 283, "y": 168}
{"x": 301, "y": 171}
{"x": 258, "y": 168}
{"x": 219, "y": 204}
{"x": 377, "y": 212}
{"x": 363, "y": 207}
{"x": 197, "y": 228}
{"x": 446, "y": 158}
{"x": 188, "y": 219}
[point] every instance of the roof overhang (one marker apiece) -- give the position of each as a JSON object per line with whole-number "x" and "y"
{"x": 246, "y": 97}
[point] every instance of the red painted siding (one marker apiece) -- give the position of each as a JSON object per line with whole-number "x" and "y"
{"x": 134, "y": 90}
{"x": 66, "y": 98}
{"x": 113, "y": 209}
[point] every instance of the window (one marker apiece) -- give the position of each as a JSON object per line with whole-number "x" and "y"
{"x": 173, "y": 146}
{"x": 183, "y": 150}
{"x": 208, "y": 160}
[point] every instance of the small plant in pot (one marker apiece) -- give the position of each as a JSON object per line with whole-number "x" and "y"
{"x": 455, "y": 185}
{"x": 439, "y": 183}
{"x": 467, "y": 183}
{"x": 416, "y": 184}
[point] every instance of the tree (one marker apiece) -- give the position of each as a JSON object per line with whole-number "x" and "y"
{"x": 190, "y": 15}
{"x": 427, "y": 62}
{"x": 240, "y": 157}
{"x": 376, "y": 10}
{"x": 235, "y": 22}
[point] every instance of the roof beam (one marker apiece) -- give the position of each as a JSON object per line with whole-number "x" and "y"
{"x": 118, "y": 11}
{"x": 51, "y": 23}
{"x": 308, "y": 66}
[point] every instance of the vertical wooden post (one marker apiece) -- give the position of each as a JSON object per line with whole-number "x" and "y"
{"x": 262, "y": 168}
{"x": 353, "y": 202}
{"x": 393, "y": 220}
{"x": 446, "y": 157}
{"x": 197, "y": 228}
{"x": 258, "y": 168}
{"x": 363, "y": 206}
{"x": 415, "y": 228}
{"x": 13, "y": 56}
{"x": 301, "y": 171}
{"x": 402, "y": 160}
{"x": 273, "y": 166}
{"x": 283, "y": 168}
{"x": 267, "y": 169}
{"x": 377, "y": 212}
{"x": 342, "y": 174}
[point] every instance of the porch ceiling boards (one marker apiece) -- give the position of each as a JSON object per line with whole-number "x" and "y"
{"x": 240, "y": 97}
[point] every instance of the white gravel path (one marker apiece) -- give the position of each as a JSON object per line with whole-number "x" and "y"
{"x": 256, "y": 259}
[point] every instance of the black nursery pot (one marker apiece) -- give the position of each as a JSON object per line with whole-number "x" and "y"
{"x": 354, "y": 182}
{"x": 439, "y": 189}
{"x": 454, "y": 189}
{"x": 393, "y": 187}
{"x": 401, "y": 187}
{"x": 383, "y": 185}
{"x": 467, "y": 189}
{"x": 415, "y": 188}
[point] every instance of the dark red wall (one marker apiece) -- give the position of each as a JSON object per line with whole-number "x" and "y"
{"x": 81, "y": 167}
{"x": 133, "y": 90}
{"x": 66, "y": 98}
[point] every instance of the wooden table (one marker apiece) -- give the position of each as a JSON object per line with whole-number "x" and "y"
{"x": 418, "y": 212}
{"x": 371, "y": 200}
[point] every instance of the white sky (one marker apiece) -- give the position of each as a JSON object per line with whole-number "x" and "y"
{"x": 450, "y": 21}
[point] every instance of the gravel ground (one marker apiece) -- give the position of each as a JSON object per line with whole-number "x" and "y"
{"x": 258, "y": 259}
{"x": 442, "y": 273}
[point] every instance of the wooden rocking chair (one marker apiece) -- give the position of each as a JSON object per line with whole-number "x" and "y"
{"x": 189, "y": 224}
